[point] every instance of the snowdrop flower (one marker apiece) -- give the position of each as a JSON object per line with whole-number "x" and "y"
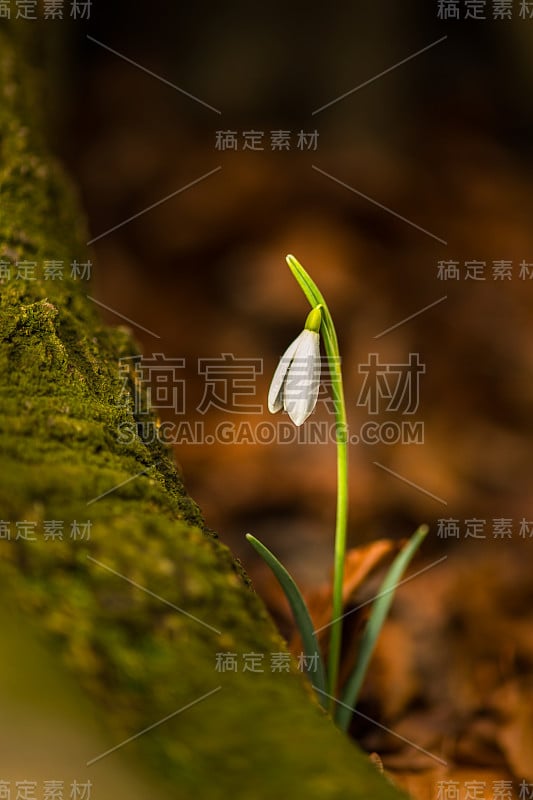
{"x": 296, "y": 380}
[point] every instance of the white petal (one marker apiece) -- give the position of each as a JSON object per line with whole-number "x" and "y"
{"x": 302, "y": 382}
{"x": 275, "y": 393}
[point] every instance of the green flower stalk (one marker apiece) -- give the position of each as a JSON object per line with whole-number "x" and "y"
{"x": 331, "y": 346}
{"x": 295, "y": 387}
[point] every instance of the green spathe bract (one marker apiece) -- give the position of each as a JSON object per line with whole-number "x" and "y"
{"x": 320, "y": 321}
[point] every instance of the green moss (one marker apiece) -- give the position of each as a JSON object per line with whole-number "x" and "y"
{"x": 62, "y": 400}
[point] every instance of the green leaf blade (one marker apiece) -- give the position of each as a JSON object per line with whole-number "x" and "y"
{"x": 379, "y": 612}
{"x": 300, "y": 612}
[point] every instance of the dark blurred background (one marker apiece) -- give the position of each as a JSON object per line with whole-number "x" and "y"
{"x": 443, "y": 141}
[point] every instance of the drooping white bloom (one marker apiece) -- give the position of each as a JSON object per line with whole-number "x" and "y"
{"x": 296, "y": 381}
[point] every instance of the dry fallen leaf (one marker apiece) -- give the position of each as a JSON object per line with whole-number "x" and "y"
{"x": 515, "y": 731}
{"x": 360, "y": 563}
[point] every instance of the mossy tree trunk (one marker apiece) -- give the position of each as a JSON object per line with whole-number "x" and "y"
{"x": 261, "y": 734}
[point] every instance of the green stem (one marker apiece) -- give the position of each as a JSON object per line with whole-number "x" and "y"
{"x": 331, "y": 347}
{"x": 340, "y": 554}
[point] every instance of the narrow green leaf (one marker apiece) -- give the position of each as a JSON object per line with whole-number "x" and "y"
{"x": 315, "y": 297}
{"x": 377, "y": 617}
{"x": 301, "y": 616}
